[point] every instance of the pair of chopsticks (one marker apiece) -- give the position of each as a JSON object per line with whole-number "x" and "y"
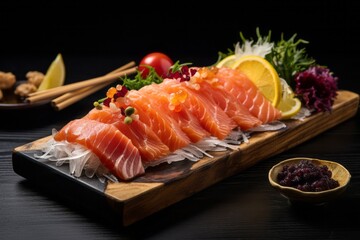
{"x": 63, "y": 96}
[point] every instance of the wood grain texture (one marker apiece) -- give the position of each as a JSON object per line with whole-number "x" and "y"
{"x": 142, "y": 197}
{"x": 208, "y": 171}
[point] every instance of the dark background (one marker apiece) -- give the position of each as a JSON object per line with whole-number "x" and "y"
{"x": 188, "y": 31}
{"x": 97, "y": 37}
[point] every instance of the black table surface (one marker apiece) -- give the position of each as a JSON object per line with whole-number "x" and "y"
{"x": 243, "y": 206}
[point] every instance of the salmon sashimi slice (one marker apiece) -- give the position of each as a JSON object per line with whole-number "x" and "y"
{"x": 115, "y": 151}
{"x": 212, "y": 117}
{"x": 228, "y": 103}
{"x": 149, "y": 144}
{"x": 187, "y": 121}
{"x": 163, "y": 125}
{"x": 247, "y": 93}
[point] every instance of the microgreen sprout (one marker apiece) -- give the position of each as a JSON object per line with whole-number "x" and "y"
{"x": 128, "y": 120}
{"x": 129, "y": 111}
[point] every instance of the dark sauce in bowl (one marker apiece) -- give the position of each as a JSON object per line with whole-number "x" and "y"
{"x": 307, "y": 176}
{"x": 295, "y": 184}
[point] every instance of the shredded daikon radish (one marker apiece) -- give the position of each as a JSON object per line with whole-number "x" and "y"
{"x": 302, "y": 114}
{"x": 273, "y": 126}
{"x": 82, "y": 160}
{"x": 78, "y": 157}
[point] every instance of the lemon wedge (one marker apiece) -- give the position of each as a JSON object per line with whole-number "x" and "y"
{"x": 55, "y": 74}
{"x": 289, "y": 105}
{"x": 263, "y": 74}
{"x": 227, "y": 61}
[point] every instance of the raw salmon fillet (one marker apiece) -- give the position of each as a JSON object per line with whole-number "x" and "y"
{"x": 189, "y": 124}
{"x": 211, "y": 117}
{"x": 163, "y": 125}
{"x": 245, "y": 91}
{"x": 169, "y": 116}
{"x": 213, "y": 91}
{"x": 115, "y": 151}
{"x": 149, "y": 144}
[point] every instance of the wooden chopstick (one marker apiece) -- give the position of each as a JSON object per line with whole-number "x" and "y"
{"x": 55, "y": 92}
{"x": 67, "y": 99}
{"x": 65, "y": 102}
{"x": 124, "y": 67}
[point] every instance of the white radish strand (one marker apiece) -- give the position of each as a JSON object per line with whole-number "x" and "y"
{"x": 82, "y": 160}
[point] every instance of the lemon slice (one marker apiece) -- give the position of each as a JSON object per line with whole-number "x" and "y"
{"x": 55, "y": 74}
{"x": 227, "y": 61}
{"x": 289, "y": 105}
{"x": 263, "y": 74}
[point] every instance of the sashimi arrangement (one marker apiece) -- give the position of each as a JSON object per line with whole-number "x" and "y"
{"x": 187, "y": 113}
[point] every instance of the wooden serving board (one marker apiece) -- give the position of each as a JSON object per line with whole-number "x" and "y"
{"x": 167, "y": 184}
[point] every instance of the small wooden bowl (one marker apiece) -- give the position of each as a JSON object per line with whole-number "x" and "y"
{"x": 339, "y": 173}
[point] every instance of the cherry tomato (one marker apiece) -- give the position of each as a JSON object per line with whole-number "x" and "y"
{"x": 159, "y": 61}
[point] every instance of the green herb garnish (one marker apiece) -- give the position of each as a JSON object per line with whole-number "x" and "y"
{"x": 177, "y": 67}
{"x": 288, "y": 59}
{"x": 286, "y": 56}
{"x": 139, "y": 81}
{"x": 97, "y": 105}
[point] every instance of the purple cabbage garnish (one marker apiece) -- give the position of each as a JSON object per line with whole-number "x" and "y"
{"x": 317, "y": 88}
